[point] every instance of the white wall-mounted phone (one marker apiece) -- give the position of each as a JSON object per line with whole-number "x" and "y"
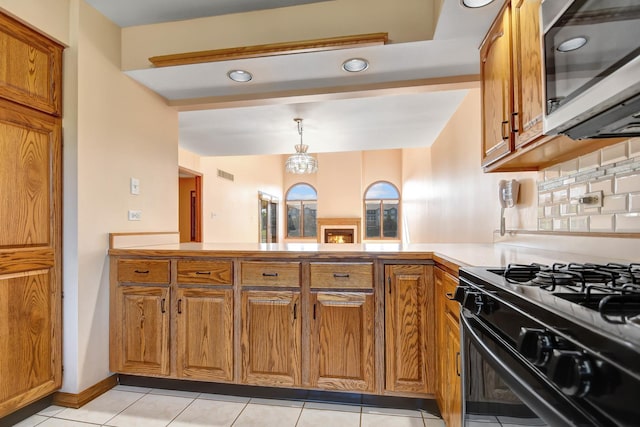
{"x": 508, "y": 195}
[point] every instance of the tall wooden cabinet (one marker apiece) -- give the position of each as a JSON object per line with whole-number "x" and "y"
{"x": 409, "y": 326}
{"x": 30, "y": 216}
{"x": 449, "y": 393}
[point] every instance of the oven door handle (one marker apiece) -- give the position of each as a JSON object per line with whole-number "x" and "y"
{"x": 539, "y": 405}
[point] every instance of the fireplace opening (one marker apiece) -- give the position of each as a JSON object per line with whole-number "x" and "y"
{"x": 338, "y": 235}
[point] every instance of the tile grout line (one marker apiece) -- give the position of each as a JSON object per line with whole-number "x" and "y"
{"x": 240, "y": 413}
{"x": 183, "y": 409}
{"x": 106, "y": 423}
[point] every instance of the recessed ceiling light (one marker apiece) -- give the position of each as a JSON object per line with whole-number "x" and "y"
{"x": 473, "y": 4}
{"x": 355, "y": 65}
{"x": 239, "y": 76}
{"x": 572, "y": 44}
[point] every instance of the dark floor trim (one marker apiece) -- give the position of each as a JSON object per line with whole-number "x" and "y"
{"x": 24, "y": 413}
{"x": 428, "y": 405}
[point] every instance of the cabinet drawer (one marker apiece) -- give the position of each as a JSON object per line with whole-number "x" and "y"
{"x": 450, "y": 284}
{"x": 143, "y": 271}
{"x": 205, "y": 272}
{"x": 254, "y": 273}
{"x": 342, "y": 275}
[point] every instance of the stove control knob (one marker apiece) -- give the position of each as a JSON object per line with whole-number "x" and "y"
{"x": 572, "y": 371}
{"x": 536, "y": 345}
{"x": 459, "y": 295}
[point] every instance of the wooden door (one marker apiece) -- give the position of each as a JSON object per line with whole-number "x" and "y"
{"x": 454, "y": 385}
{"x": 409, "y": 368}
{"x": 143, "y": 313}
{"x": 527, "y": 63}
{"x": 342, "y": 341}
{"x": 270, "y": 342}
{"x": 497, "y": 93}
{"x": 30, "y": 256}
{"x": 205, "y": 333}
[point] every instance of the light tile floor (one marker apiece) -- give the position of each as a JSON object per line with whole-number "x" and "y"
{"x": 126, "y": 406}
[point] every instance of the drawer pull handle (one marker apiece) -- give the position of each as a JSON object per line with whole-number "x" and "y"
{"x": 162, "y": 308}
{"x": 207, "y": 273}
{"x": 270, "y": 274}
{"x": 141, "y": 271}
{"x": 180, "y": 306}
{"x": 295, "y": 311}
{"x": 314, "y": 312}
{"x": 458, "y": 363}
{"x": 449, "y": 296}
{"x": 340, "y": 275}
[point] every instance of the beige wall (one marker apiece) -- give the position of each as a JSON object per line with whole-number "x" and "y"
{"x": 404, "y": 20}
{"x": 50, "y": 17}
{"x": 230, "y": 209}
{"x": 113, "y": 129}
{"x": 416, "y": 168}
{"x": 460, "y": 201}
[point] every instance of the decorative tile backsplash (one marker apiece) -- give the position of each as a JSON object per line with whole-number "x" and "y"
{"x": 612, "y": 172}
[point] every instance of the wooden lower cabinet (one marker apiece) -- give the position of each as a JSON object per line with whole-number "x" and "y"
{"x": 270, "y": 342}
{"x": 142, "y": 336}
{"x": 342, "y": 341}
{"x": 409, "y": 326}
{"x": 205, "y": 333}
{"x": 449, "y": 391}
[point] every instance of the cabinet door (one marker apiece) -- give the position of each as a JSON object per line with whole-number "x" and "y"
{"x": 454, "y": 385}
{"x": 527, "y": 58}
{"x": 270, "y": 338}
{"x": 342, "y": 337}
{"x": 441, "y": 341}
{"x": 497, "y": 95}
{"x": 409, "y": 367}
{"x": 30, "y": 255}
{"x": 143, "y": 313}
{"x": 205, "y": 334}
{"x": 31, "y": 69}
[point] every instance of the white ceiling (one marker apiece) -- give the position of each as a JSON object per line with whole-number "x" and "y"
{"x": 349, "y": 123}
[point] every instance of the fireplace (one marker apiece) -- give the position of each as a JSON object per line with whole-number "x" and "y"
{"x": 338, "y": 230}
{"x": 338, "y": 235}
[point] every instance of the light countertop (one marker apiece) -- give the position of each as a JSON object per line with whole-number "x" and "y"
{"x": 462, "y": 254}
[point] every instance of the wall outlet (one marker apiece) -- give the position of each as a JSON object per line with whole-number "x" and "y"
{"x": 134, "y": 186}
{"x": 135, "y": 215}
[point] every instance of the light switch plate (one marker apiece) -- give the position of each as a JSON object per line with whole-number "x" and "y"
{"x": 135, "y": 215}
{"x": 135, "y": 186}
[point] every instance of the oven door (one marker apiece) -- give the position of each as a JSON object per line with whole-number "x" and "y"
{"x": 500, "y": 387}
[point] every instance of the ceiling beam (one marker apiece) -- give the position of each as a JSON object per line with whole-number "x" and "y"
{"x": 272, "y": 49}
{"x": 436, "y": 84}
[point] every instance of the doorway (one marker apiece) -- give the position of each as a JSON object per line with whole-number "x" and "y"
{"x": 268, "y": 206}
{"x": 190, "y": 205}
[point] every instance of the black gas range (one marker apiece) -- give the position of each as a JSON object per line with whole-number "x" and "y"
{"x": 551, "y": 344}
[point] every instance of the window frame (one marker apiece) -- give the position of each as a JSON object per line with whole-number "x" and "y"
{"x": 301, "y": 205}
{"x": 381, "y": 202}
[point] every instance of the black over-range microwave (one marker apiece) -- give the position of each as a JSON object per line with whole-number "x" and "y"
{"x": 591, "y": 68}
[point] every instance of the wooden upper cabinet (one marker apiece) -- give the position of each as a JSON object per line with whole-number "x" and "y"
{"x": 496, "y": 86}
{"x": 142, "y": 316}
{"x": 205, "y": 333}
{"x": 342, "y": 341}
{"x": 31, "y": 68}
{"x": 409, "y": 328}
{"x": 271, "y": 338}
{"x": 527, "y": 63}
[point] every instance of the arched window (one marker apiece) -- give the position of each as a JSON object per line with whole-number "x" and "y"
{"x": 302, "y": 206}
{"x": 382, "y": 211}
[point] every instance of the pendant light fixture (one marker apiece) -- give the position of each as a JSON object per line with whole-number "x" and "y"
{"x": 301, "y": 162}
